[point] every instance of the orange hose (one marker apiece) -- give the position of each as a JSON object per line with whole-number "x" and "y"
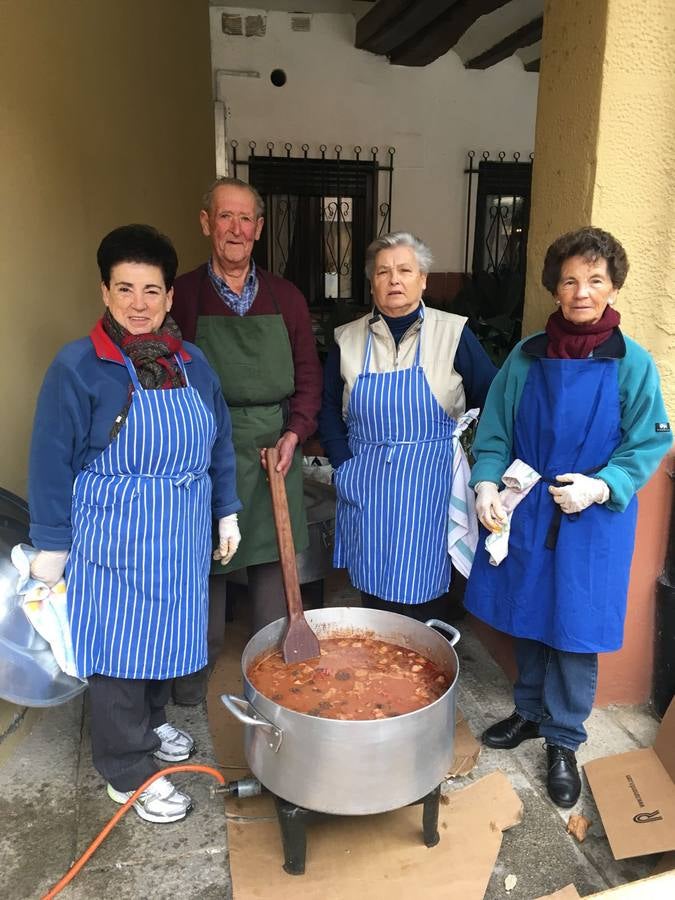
{"x": 105, "y": 831}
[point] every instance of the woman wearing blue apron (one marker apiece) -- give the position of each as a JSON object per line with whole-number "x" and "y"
{"x": 581, "y": 405}
{"x": 394, "y": 385}
{"x": 130, "y": 458}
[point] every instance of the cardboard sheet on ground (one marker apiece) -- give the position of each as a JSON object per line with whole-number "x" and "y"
{"x": 635, "y": 794}
{"x": 656, "y": 887}
{"x": 382, "y": 855}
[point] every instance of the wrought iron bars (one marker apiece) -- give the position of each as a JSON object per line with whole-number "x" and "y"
{"x": 499, "y": 212}
{"x": 326, "y": 205}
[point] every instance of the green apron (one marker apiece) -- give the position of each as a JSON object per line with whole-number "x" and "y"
{"x": 253, "y": 359}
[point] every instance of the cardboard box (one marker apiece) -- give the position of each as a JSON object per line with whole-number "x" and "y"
{"x": 635, "y": 794}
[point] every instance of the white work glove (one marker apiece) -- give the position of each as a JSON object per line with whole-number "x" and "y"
{"x": 48, "y": 566}
{"x": 580, "y": 492}
{"x": 489, "y": 507}
{"x": 228, "y": 538}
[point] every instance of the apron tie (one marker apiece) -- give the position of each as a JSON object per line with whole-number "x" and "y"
{"x": 184, "y": 480}
{"x": 393, "y": 444}
{"x": 556, "y": 518}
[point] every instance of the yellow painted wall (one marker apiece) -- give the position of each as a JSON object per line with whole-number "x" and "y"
{"x": 105, "y": 118}
{"x": 634, "y": 195}
{"x": 568, "y": 112}
{"x": 605, "y": 155}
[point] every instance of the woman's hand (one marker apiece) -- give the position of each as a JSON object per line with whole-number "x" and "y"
{"x": 489, "y": 507}
{"x": 48, "y": 566}
{"x": 286, "y": 446}
{"x": 229, "y": 539}
{"x": 580, "y": 492}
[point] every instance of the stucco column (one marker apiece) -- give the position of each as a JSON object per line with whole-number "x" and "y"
{"x": 605, "y": 155}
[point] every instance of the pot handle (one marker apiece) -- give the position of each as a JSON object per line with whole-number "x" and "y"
{"x": 239, "y": 708}
{"x": 443, "y": 626}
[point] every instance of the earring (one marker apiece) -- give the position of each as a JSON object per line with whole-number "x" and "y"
{"x": 611, "y": 301}
{"x": 557, "y": 302}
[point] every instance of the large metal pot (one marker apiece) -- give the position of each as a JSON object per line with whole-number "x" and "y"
{"x": 350, "y": 767}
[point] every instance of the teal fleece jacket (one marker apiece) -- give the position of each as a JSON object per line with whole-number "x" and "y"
{"x": 646, "y": 435}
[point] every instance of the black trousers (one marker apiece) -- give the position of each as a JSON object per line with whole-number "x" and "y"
{"x": 432, "y": 609}
{"x": 266, "y": 603}
{"x": 123, "y": 713}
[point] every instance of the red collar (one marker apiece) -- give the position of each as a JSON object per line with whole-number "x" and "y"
{"x": 108, "y": 350}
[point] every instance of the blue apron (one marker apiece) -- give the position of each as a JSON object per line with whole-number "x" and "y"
{"x": 138, "y": 568}
{"x": 571, "y": 596}
{"x": 393, "y": 494}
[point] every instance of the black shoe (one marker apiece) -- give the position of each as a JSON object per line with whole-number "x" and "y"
{"x": 508, "y": 733}
{"x": 563, "y": 782}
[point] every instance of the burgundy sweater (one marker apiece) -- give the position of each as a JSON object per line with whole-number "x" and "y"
{"x": 194, "y": 296}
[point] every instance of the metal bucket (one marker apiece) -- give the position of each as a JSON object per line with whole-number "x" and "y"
{"x": 29, "y": 673}
{"x": 350, "y": 767}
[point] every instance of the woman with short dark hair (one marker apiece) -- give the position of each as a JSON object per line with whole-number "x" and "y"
{"x": 131, "y": 456}
{"x": 580, "y": 405}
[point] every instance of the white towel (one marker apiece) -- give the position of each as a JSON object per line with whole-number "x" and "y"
{"x": 462, "y": 521}
{"x": 519, "y": 479}
{"x": 46, "y": 609}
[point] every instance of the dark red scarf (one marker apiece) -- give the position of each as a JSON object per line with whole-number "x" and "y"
{"x": 153, "y": 356}
{"x": 566, "y": 340}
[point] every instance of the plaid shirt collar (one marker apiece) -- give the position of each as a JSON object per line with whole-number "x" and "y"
{"x": 239, "y": 304}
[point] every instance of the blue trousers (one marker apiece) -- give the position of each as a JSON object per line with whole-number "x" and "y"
{"x": 557, "y": 689}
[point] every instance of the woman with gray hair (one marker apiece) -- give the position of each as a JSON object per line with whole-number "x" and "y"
{"x": 395, "y": 384}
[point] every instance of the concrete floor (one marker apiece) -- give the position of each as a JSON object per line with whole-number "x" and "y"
{"x": 53, "y": 803}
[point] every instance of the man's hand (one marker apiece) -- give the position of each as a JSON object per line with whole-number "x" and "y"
{"x": 489, "y": 507}
{"x": 228, "y": 539}
{"x": 286, "y": 446}
{"x": 579, "y": 493}
{"x": 48, "y": 566}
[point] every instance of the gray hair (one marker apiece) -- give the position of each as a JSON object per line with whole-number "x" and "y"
{"x": 399, "y": 239}
{"x": 226, "y": 181}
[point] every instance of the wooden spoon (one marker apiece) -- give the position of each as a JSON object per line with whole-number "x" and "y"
{"x": 299, "y": 643}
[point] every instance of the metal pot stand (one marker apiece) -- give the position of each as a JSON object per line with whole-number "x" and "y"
{"x": 293, "y": 822}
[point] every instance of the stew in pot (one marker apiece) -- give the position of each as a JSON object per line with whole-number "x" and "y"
{"x": 356, "y": 677}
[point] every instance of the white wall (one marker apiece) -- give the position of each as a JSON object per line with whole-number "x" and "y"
{"x": 338, "y": 94}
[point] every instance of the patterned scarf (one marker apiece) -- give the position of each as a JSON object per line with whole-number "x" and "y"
{"x": 566, "y": 340}
{"x": 153, "y": 358}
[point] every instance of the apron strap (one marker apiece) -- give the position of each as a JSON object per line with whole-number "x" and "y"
{"x": 369, "y": 344}
{"x": 132, "y": 372}
{"x": 182, "y": 367}
{"x": 268, "y": 285}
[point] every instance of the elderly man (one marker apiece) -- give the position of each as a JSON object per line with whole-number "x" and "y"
{"x": 256, "y": 332}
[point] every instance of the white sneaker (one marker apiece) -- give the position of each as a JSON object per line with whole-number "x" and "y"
{"x": 161, "y": 802}
{"x": 176, "y": 745}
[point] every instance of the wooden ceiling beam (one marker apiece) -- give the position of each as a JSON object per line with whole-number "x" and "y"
{"x": 523, "y": 37}
{"x": 438, "y": 37}
{"x": 391, "y": 22}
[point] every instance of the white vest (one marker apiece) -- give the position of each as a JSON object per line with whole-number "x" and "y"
{"x": 440, "y": 337}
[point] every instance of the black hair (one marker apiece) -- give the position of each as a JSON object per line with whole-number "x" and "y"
{"x": 139, "y": 244}
{"x": 591, "y": 243}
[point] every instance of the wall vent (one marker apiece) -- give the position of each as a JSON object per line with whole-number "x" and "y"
{"x": 301, "y": 23}
{"x": 232, "y": 24}
{"x": 255, "y": 26}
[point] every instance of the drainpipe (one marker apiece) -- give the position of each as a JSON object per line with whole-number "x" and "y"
{"x": 664, "y": 648}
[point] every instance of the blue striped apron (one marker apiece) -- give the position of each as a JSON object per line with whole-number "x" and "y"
{"x": 138, "y": 569}
{"x": 393, "y": 494}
